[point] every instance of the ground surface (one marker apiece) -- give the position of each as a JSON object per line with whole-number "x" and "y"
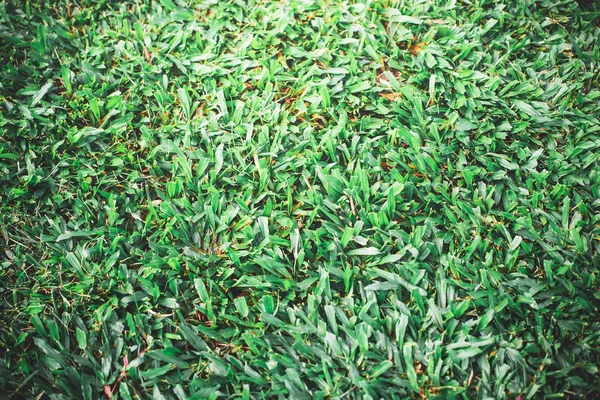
{"x": 303, "y": 199}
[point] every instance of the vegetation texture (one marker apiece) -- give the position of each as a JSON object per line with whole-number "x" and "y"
{"x": 299, "y": 199}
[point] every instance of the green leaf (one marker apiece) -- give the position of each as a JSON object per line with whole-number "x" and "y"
{"x": 41, "y": 93}
{"x": 241, "y": 306}
{"x": 365, "y": 251}
{"x": 81, "y": 339}
{"x": 153, "y": 373}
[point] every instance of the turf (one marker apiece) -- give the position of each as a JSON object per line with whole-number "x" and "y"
{"x": 299, "y": 199}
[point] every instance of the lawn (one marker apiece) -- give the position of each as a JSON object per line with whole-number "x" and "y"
{"x": 299, "y": 199}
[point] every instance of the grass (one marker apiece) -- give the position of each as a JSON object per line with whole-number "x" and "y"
{"x": 299, "y": 199}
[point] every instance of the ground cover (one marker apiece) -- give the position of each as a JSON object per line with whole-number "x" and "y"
{"x": 299, "y": 199}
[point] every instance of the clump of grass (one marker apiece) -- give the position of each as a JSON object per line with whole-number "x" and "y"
{"x": 301, "y": 199}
